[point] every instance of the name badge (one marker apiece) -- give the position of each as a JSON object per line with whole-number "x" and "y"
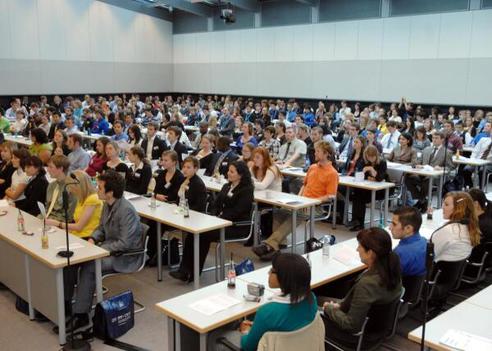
{"x": 156, "y": 147}
{"x": 137, "y": 175}
{"x": 225, "y": 163}
{"x": 167, "y": 186}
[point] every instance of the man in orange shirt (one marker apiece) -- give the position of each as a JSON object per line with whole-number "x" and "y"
{"x": 321, "y": 182}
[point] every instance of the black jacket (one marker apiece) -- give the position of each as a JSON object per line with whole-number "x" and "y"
{"x": 196, "y": 194}
{"x": 235, "y": 206}
{"x": 171, "y": 191}
{"x": 180, "y": 150}
{"x": 158, "y": 147}
{"x": 6, "y": 171}
{"x": 138, "y": 182}
{"x": 207, "y": 162}
{"x": 35, "y": 191}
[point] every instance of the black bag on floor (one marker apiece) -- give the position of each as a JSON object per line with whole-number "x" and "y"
{"x": 114, "y": 316}
{"x": 22, "y": 306}
{"x": 174, "y": 247}
{"x": 455, "y": 184}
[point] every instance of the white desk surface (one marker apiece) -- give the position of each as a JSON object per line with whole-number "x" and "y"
{"x": 323, "y": 269}
{"x": 470, "y": 161}
{"x": 179, "y": 309}
{"x": 468, "y": 148}
{"x": 419, "y": 171}
{"x": 465, "y": 316}
{"x": 483, "y": 299}
{"x": 275, "y": 198}
{"x": 19, "y": 139}
{"x": 489, "y": 196}
{"x": 31, "y": 245}
{"x": 166, "y": 213}
{"x": 435, "y": 222}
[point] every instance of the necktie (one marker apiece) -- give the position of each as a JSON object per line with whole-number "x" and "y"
{"x": 388, "y": 144}
{"x": 219, "y": 162}
{"x": 349, "y": 148}
{"x": 487, "y": 151}
{"x": 433, "y": 154}
{"x": 286, "y": 151}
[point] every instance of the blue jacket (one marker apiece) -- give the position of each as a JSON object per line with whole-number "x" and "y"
{"x": 412, "y": 251}
{"x": 100, "y": 127}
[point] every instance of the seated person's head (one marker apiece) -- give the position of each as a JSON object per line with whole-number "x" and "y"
{"x": 239, "y": 173}
{"x": 110, "y": 185}
{"x": 83, "y": 188}
{"x": 480, "y": 201}
{"x": 405, "y": 222}
{"x": 292, "y": 274}
{"x": 58, "y": 166}
{"x": 190, "y": 166}
{"x": 323, "y": 150}
{"x": 375, "y": 250}
{"x": 223, "y": 143}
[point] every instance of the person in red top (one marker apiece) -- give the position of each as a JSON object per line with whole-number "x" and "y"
{"x": 321, "y": 182}
{"x": 99, "y": 159}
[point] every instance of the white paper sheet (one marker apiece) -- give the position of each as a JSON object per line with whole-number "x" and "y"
{"x": 214, "y": 304}
{"x": 461, "y": 340}
{"x": 72, "y": 246}
{"x": 347, "y": 256}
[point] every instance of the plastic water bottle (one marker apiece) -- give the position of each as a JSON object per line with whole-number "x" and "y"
{"x": 186, "y": 209}
{"x": 231, "y": 275}
{"x": 20, "y": 222}
{"x": 326, "y": 245}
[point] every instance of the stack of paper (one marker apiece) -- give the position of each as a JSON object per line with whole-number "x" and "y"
{"x": 347, "y": 256}
{"x": 213, "y": 304}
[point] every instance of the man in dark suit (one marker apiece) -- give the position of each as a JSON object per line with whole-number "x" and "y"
{"x": 435, "y": 156}
{"x": 152, "y": 144}
{"x": 224, "y": 156}
{"x": 173, "y": 135}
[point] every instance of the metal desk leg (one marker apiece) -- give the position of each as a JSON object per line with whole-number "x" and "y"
{"x": 373, "y": 205}
{"x": 345, "y": 208}
{"x": 386, "y": 202}
{"x": 196, "y": 261}
{"x": 98, "y": 272}
{"x": 439, "y": 191}
{"x": 257, "y": 219}
{"x": 222, "y": 254}
{"x": 170, "y": 334}
{"x": 203, "y": 342}
{"x": 159, "y": 252}
{"x": 484, "y": 174}
{"x": 429, "y": 194}
{"x": 28, "y": 286}
{"x": 294, "y": 230}
{"x": 311, "y": 221}
{"x": 60, "y": 301}
{"x": 177, "y": 334}
{"x": 334, "y": 224}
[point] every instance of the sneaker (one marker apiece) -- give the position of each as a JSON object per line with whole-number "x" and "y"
{"x": 262, "y": 250}
{"x": 180, "y": 275}
{"x": 269, "y": 256}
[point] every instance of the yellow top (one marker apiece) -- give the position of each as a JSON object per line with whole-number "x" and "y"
{"x": 92, "y": 200}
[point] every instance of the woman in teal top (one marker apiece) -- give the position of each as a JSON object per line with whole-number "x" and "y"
{"x": 291, "y": 309}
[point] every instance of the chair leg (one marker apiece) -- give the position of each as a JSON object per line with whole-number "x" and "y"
{"x": 217, "y": 247}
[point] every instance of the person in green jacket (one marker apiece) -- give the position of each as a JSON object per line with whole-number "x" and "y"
{"x": 379, "y": 284}
{"x": 293, "y": 308}
{"x": 4, "y": 123}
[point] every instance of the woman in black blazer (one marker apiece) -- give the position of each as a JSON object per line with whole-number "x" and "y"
{"x": 170, "y": 179}
{"x": 36, "y": 188}
{"x": 139, "y": 174}
{"x": 233, "y": 203}
{"x": 374, "y": 169}
{"x": 6, "y": 168}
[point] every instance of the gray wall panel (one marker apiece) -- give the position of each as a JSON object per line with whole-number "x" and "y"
{"x": 335, "y": 10}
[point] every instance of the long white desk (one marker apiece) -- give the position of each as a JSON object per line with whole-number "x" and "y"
{"x": 18, "y": 139}
{"x": 178, "y": 311}
{"x": 474, "y": 162}
{"x": 36, "y": 274}
{"x": 290, "y": 202}
{"x": 350, "y": 182}
{"x": 474, "y": 315}
{"x": 196, "y": 224}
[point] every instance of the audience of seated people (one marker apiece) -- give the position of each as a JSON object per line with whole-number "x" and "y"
{"x": 272, "y": 136}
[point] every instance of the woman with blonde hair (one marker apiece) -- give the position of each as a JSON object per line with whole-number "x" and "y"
{"x": 454, "y": 240}
{"x": 88, "y": 210}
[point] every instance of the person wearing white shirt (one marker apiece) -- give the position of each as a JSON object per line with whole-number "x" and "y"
{"x": 480, "y": 150}
{"x": 19, "y": 178}
{"x": 390, "y": 140}
{"x": 20, "y": 122}
{"x": 266, "y": 175}
{"x": 454, "y": 240}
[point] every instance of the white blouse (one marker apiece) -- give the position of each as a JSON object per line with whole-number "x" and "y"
{"x": 451, "y": 243}
{"x": 269, "y": 182}
{"x": 19, "y": 177}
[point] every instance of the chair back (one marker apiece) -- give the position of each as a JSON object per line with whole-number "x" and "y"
{"x": 446, "y": 277}
{"x": 309, "y": 338}
{"x": 413, "y": 287}
{"x": 382, "y": 318}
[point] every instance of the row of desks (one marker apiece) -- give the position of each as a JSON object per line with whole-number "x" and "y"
{"x": 36, "y": 274}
